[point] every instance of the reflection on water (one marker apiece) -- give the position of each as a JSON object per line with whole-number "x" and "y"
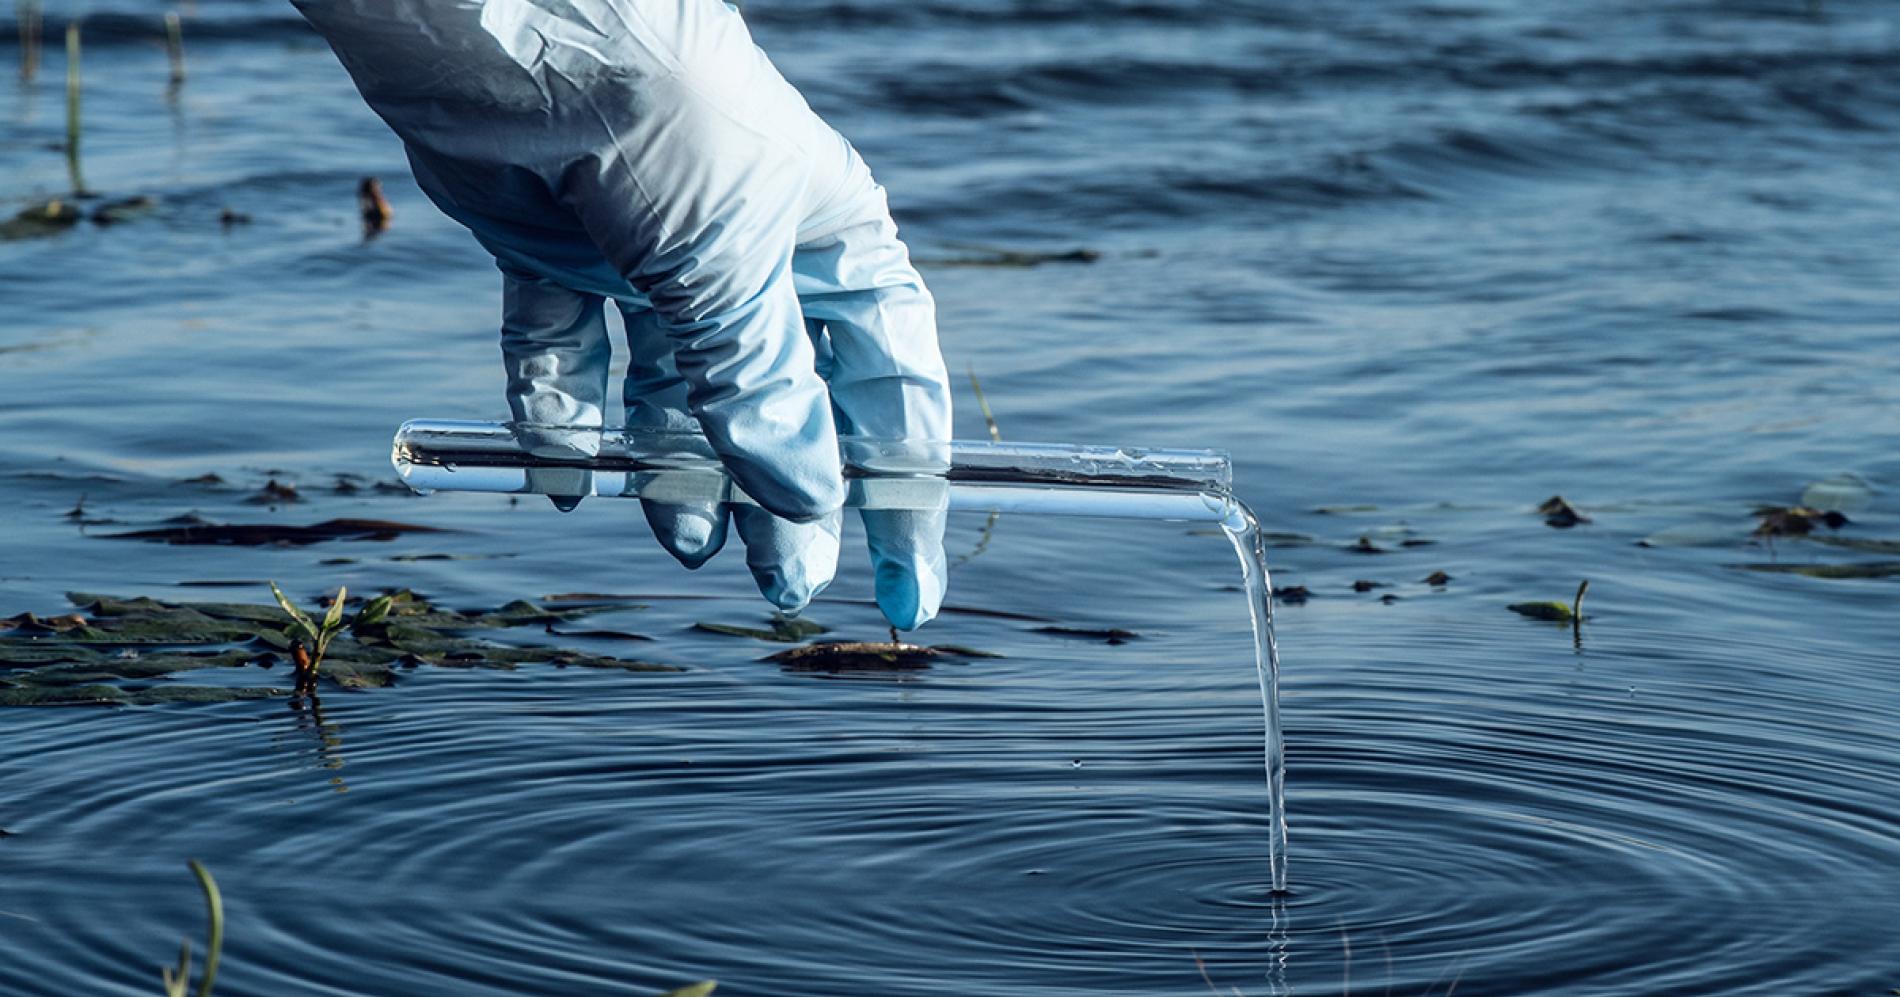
{"x": 327, "y": 737}
{"x": 1418, "y": 267}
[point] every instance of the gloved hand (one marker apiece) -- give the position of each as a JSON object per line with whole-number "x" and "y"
{"x": 649, "y": 154}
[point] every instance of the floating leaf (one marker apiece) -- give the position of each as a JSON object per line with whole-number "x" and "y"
{"x": 1110, "y": 635}
{"x": 275, "y": 492}
{"x": 1363, "y": 585}
{"x": 1011, "y": 259}
{"x": 124, "y": 209}
{"x": 1799, "y": 520}
{"x": 77, "y": 665}
{"x": 1438, "y": 579}
{"x": 1556, "y": 612}
{"x": 1559, "y": 513}
{"x": 1864, "y": 569}
{"x": 784, "y": 630}
{"x": 264, "y": 534}
{"x": 1293, "y": 595}
{"x": 857, "y": 656}
{"x": 960, "y": 651}
{"x": 1868, "y": 544}
{"x": 597, "y": 634}
{"x": 701, "y": 989}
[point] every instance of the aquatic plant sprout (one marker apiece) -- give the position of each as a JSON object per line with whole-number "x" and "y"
{"x": 569, "y": 463}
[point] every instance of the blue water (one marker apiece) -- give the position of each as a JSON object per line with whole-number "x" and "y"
{"x": 1418, "y": 266}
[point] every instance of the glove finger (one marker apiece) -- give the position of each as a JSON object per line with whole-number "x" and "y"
{"x": 908, "y": 563}
{"x": 687, "y": 517}
{"x": 564, "y": 486}
{"x": 791, "y": 562}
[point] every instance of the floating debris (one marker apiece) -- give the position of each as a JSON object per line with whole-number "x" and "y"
{"x": 1344, "y": 510}
{"x": 1795, "y": 521}
{"x": 43, "y": 219}
{"x": 1437, "y": 579}
{"x": 124, "y": 209}
{"x": 1110, "y": 635}
{"x": 1362, "y": 585}
{"x": 228, "y": 218}
{"x": 275, "y": 492}
{"x": 1364, "y": 545}
{"x": 197, "y": 532}
{"x": 373, "y": 206}
{"x": 1293, "y": 595}
{"x": 1555, "y": 612}
{"x": 597, "y": 634}
{"x": 1864, "y": 569}
{"x": 127, "y": 651}
{"x": 1011, "y": 259}
{"x": 784, "y": 630}
{"x": 1871, "y": 545}
{"x": 1559, "y": 513}
{"x": 868, "y": 656}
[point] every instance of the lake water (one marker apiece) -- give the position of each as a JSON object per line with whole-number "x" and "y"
{"x": 1418, "y": 266}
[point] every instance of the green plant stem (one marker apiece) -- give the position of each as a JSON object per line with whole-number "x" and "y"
{"x": 1576, "y": 611}
{"x": 214, "y": 907}
{"x": 72, "y": 108}
{"x": 175, "y": 47}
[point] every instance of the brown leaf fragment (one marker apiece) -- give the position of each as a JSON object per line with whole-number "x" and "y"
{"x": 272, "y": 534}
{"x": 124, "y": 209}
{"x": 1862, "y": 569}
{"x": 960, "y": 651}
{"x": 1362, "y": 585}
{"x": 1794, "y": 521}
{"x": 1293, "y": 595}
{"x": 856, "y": 656}
{"x": 1437, "y": 579}
{"x": 1560, "y": 514}
{"x": 373, "y": 206}
{"x": 1109, "y": 635}
{"x": 275, "y": 492}
{"x": 597, "y": 634}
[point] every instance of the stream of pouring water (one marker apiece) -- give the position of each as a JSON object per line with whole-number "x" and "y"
{"x": 1032, "y": 478}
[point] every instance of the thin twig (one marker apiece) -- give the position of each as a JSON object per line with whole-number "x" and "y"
{"x": 30, "y": 30}
{"x": 72, "y": 109}
{"x": 989, "y": 419}
{"x": 175, "y": 47}
{"x": 996, "y": 436}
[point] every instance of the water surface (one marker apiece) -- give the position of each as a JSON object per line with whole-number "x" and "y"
{"x": 1418, "y": 266}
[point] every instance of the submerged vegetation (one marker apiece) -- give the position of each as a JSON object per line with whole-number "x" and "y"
{"x": 178, "y": 982}
{"x": 117, "y": 651}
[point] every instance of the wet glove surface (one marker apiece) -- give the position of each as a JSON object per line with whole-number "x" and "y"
{"x": 649, "y": 157}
